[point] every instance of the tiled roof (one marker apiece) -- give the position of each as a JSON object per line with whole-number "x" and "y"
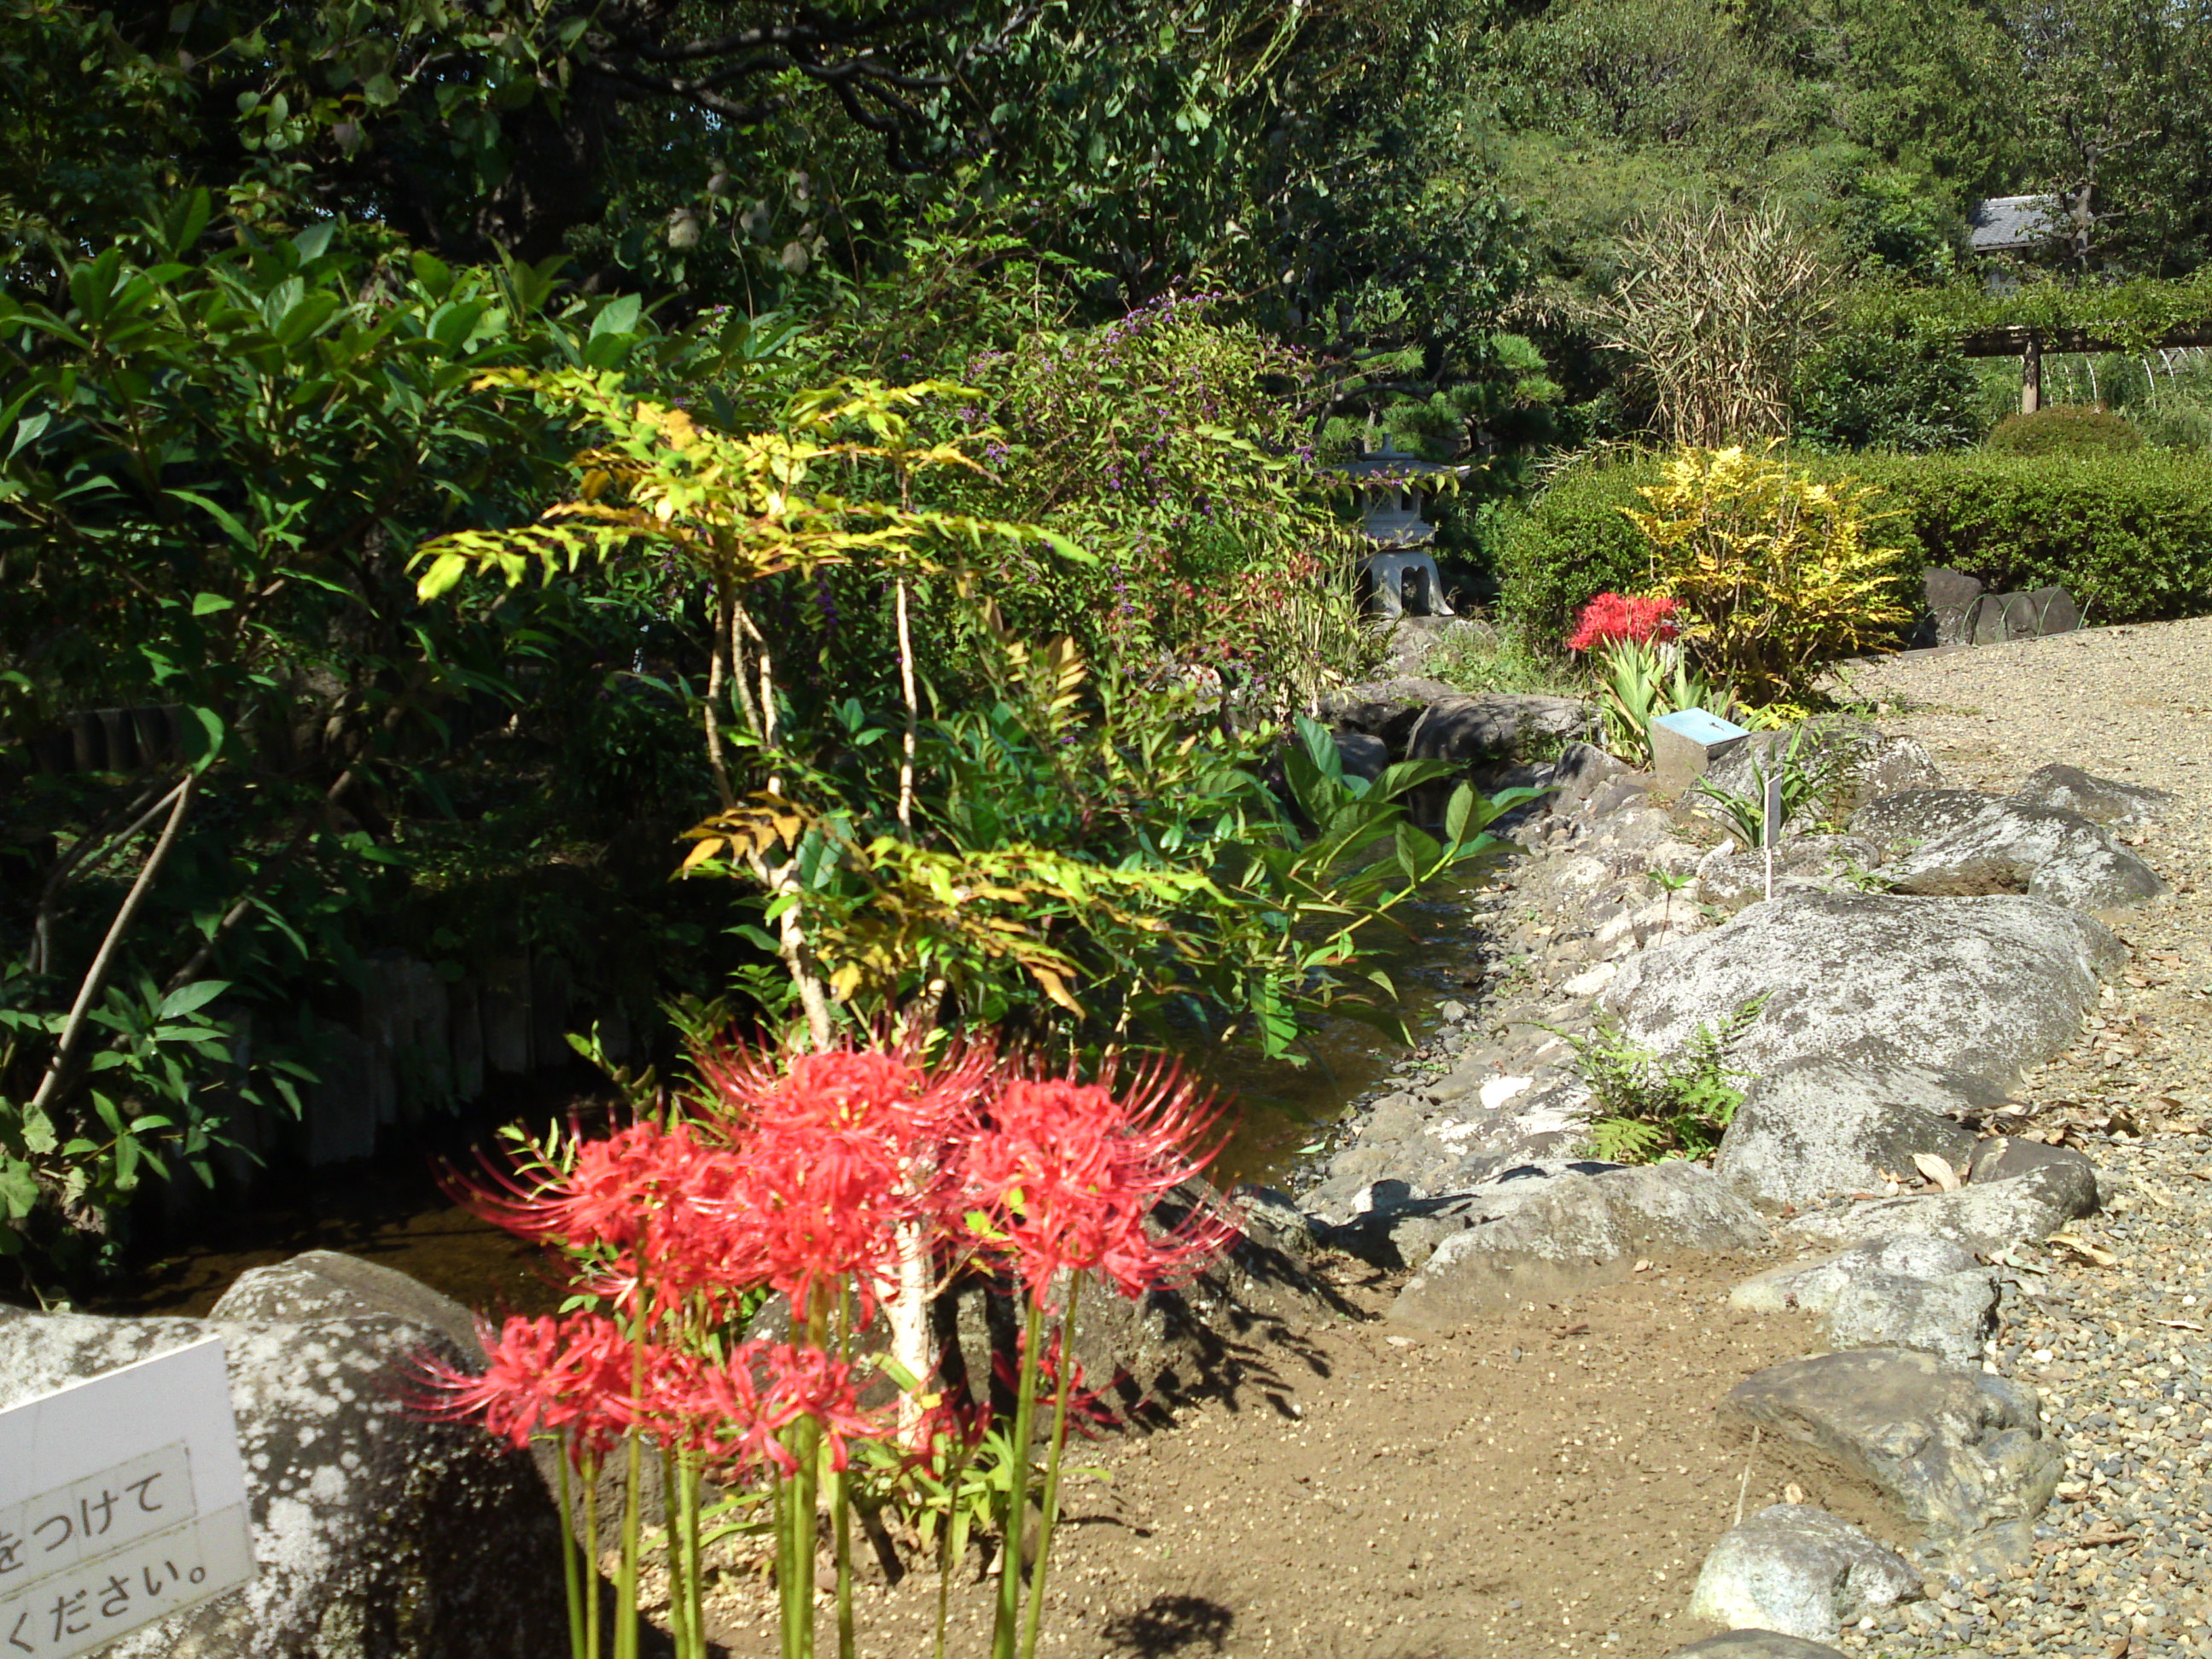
{"x": 2006, "y": 224}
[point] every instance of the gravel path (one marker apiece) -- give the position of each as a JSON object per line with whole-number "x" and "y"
{"x": 2112, "y": 1328}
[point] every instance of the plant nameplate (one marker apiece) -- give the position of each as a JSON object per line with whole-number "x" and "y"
{"x": 1684, "y": 743}
{"x": 1705, "y": 729}
{"x": 122, "y": 1501}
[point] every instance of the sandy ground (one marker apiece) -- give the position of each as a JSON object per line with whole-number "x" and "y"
{"x": 1543, "y": 1483}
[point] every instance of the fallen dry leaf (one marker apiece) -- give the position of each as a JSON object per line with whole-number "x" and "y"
{"x": 1937, "y": 1170}
{"x": 2086, "y": 1250}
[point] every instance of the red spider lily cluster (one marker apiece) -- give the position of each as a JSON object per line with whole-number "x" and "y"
{"x": 1613, "y": 618}
{"x": 850, "y": 1181}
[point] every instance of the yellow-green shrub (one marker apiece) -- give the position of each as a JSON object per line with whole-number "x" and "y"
{"x": 1772, "y": 567}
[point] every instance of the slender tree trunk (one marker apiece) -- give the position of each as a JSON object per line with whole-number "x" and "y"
{"x": 95, "y": 977}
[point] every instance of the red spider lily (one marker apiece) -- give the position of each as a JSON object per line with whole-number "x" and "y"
{"x": 733, "y": 1414}
{"x": 1067, "y": 1174}
{"x": 1611, "y": 618}
{"x": 569, "y": 1376}
{"x": 845, "y": 1155}
{"x": 646, "y": 1203}
{"x": 1087, "y": 1410}
{"x": 946, "y": 1431}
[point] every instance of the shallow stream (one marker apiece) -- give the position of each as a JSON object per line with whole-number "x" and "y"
{"x": 398, "y": 1215}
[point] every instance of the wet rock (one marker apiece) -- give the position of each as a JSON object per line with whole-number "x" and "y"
{"x": 1572, "y": 1231}
{"x": 1985, "y": 987}
{"x": 1815, "y": 1286}
{"x": 377, "y": 1535}
{"x": 1819, "y": 1127}
{"x": 1799, "y": 1571}
{"x": 328, "y": 1284}
{"x": 1364, "y": 756}
{"x": 2101, "y": 800}
{"x": 1985, "y": 1216}
{"x": 1897, "y": 822}
{"x": 1959, "y": 1456}
{"x": 2045, "y": 852}
{"x": 1384, "y": 708}
{"x": 1470, "y": 730}
{"x": 1755, "y": 1644}
{"x": 1730, "y": 877}
{"x": 1949, "y": 1316}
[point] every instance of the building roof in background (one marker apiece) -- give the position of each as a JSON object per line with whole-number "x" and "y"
{"x": 2011, "y": 224}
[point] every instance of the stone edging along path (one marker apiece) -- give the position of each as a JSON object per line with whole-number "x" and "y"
{"x": 1932, "y": 971}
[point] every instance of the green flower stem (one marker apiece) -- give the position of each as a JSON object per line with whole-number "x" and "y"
{"x": 571, "y": 1580}
{"x": 626, "y": 1576}
{"x": 798, "y": 1564}
{"x": 590, "y": 1477}
{"x": 840, "y": 1491}
{"x": 1051, "y": 1517}
{"x": 1005, "y": 1626}
{"x": 693, "y": 1585}
{"x": 679, "y": 1601}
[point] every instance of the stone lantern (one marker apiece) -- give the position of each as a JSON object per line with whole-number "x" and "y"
{"x": 1398, "y": 579}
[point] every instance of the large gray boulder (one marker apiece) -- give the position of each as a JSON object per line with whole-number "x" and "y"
{"x": 1756, "y": 1644}
{"x": 1853, "y": 762}
{"x": 376, "y": 1535}
{"x": 1497, "y": 726}
{"x": 1899, "y": 822}
{"x": 2045, "y": 852}
{"x": 1800, "y": 1570}
{"x": 1819, "y": 1127}
{"x": 1569, "y": 1231}
{"x": 1985, "y": 987}
{"x": 320, "y": 1284}
{"x": 1985, "y": 1216}
{"x": 1958, "y": 1454}
{"x": 2101, "y": 800}
{"x": 1730, "y": 877}
{"x": 1948, "y": 1316}
{"x": 1816, "y": 1286}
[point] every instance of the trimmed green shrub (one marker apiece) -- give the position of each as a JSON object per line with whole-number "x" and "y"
{"x": 1571, "y": 542}
{"x": 2068, "y": 429}
{"x": 1863, "y": 391}
{"x": 2129, "y": 536}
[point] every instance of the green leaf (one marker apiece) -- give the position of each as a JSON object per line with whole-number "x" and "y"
{"x": 189, "y": 999}
{"x": 618, "y": 316}
{"x": 213, "y": 730}
{"x": 206, "y": 605}
{"x": 19, "y": 1192}
{"x": 221, "y": 515}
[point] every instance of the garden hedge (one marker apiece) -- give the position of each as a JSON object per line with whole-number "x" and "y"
{"x": 2129, "y": 536}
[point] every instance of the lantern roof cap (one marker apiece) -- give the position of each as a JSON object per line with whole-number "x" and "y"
{"x": 1391, "y": 462}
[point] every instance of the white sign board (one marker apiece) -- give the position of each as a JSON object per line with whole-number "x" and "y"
{"x": 122, "y": 1501}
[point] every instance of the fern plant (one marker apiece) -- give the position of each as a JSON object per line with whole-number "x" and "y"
{"x": 1651, "y": 1109}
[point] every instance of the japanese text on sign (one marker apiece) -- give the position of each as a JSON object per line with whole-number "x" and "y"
{"x": 122, "y": 1501}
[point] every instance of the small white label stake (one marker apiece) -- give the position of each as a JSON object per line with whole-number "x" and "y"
{"x": 1773, "y": 826}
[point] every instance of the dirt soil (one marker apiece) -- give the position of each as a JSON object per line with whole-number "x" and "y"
{"x": 1548, "y": 1481}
